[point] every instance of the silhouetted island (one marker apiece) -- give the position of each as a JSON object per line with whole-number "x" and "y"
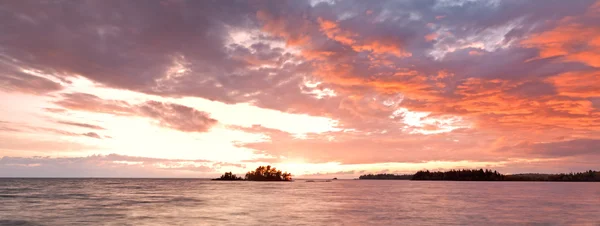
{"x": 581, "y": 176}
{"x": 385, "y": 176}
{"x": 268, "y": 173}
{"x": 262, "y": 173}
{"x": 460, "y": 175}
{"x": 485, "y": 175}
{"x": 228, "y": 176}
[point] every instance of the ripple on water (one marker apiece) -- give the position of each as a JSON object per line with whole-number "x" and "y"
{"x": 194, "y": 202}
{"x": 18, "y": 223}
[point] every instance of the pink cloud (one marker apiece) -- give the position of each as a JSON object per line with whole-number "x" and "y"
{"x": 178, "y": 117}
{"x": 169, "y": 115}
{"x": 83, "y": 125}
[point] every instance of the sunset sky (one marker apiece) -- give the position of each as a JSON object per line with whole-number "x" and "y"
{"x": 317, "y": 88}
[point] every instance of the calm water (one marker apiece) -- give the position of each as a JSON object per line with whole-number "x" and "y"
{"x": 342, "y": 202}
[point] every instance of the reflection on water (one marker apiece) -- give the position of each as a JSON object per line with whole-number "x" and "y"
{"x": 341, "y": 202}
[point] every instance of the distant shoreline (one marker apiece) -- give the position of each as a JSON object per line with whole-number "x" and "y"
{"x": 487, "y": 175}
{"x": 473, "y": 180}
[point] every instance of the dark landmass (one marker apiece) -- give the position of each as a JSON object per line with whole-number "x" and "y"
{"x": 228, "y": 176}
{"x": 486, "y": 175}
{"x": 582, "y": 176}
{"x": 318, "y": 180}
{"x": 268, "y": 173}
{"x": 262, "y": 173}
{"x": 385, "y": 176}
{"x": 460, "y": 175}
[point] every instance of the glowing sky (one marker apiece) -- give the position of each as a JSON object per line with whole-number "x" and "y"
{"x": 178, "y": 88}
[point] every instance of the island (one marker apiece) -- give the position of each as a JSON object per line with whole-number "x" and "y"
{"x": 262, "y": 173}
{"x": 486, "y": 175}
{"x": 385, "y": 176}
{"x": 460, "y": 175}
{"x": 268, "y": 173}
{"x": 587, "y": 176}
{"x": 228, "y": 176}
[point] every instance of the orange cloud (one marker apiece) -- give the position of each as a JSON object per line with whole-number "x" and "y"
{"x": 378, "y": 45}
{"x": 578, "y": 84}
{"x": 415, "y": 86}
{"x": 317, "y": 54}
{"x": 431, "y": 37}
{"x": 382, "y": 47}
{"x": 499, "y": 104}
{"x": 332, "y": 31}
{"x": 475, "y": 53}
{"x": 575, "y": 107}
{"x": 340, "y": 74}
{"x": 561, "y": 41}
{"x": 572, "y": 38}
{"x": 279, "y": 27}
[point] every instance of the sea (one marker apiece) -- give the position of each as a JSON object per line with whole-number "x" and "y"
{"x": 339, "y": 202}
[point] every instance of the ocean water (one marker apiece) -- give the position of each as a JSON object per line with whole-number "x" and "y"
{"x": 341, "y": 202}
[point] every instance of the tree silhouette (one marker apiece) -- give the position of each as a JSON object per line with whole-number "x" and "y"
{"x": 384, "y": 176}
{"x": 461, "y": 175}
{"x": 488, "y": 175}
{"x": 268, "y": 173}
{"x": 228, "y": 176}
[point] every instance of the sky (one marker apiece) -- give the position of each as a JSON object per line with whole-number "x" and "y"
{"x": 318, "y": 88}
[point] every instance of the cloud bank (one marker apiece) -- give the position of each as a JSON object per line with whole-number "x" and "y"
{"x": 404, "y": 81}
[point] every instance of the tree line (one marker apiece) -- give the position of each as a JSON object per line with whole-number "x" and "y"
{"x": 467, "y": 175}
{"x": 261, "y": 173}
{"x": 580, "y": 176}
{"x": 385, "y": 176}
{"x": 484, "y": 175}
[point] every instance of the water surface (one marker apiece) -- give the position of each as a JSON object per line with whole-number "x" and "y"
{"x": 341, "y": 202}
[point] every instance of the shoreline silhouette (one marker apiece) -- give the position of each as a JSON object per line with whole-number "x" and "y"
{"x": 261, "y": 173}
{"x": 487, "y": 175}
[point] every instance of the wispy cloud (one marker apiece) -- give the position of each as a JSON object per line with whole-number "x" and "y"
{"x": 84, "y": 125}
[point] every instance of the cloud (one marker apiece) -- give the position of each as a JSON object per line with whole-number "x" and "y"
{"x": 83, "y": 125}
{"x": 227, "y": 164}
{"x": 502, "y": 84}
{"x": 93, "y": 103}
{"x": 178, "y": 117}
{"x": 405, "y": 81}
{"x": 10, "y": 144}
{"x": 577, "y": 84}
{"x": 112, "y": 165}
{"x": 578, "y": 147}
{"x": 92, "y": 135}
{"x": 187, "y": 52}
{"x": 7, "y": 126}
{"x": 55, "y": 110}
{"x": 382, "y": 146}
{"x": 32, "y": 129}
{"x": 169, "y": 115}
{"x": 383, "y": 51}
{"x": 349, "y": 172}
{"x": 18, "y": 81}
{"x": 573, "y": 39}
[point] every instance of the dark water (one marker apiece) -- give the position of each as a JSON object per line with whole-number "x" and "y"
{"x": 342, "y": 202}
